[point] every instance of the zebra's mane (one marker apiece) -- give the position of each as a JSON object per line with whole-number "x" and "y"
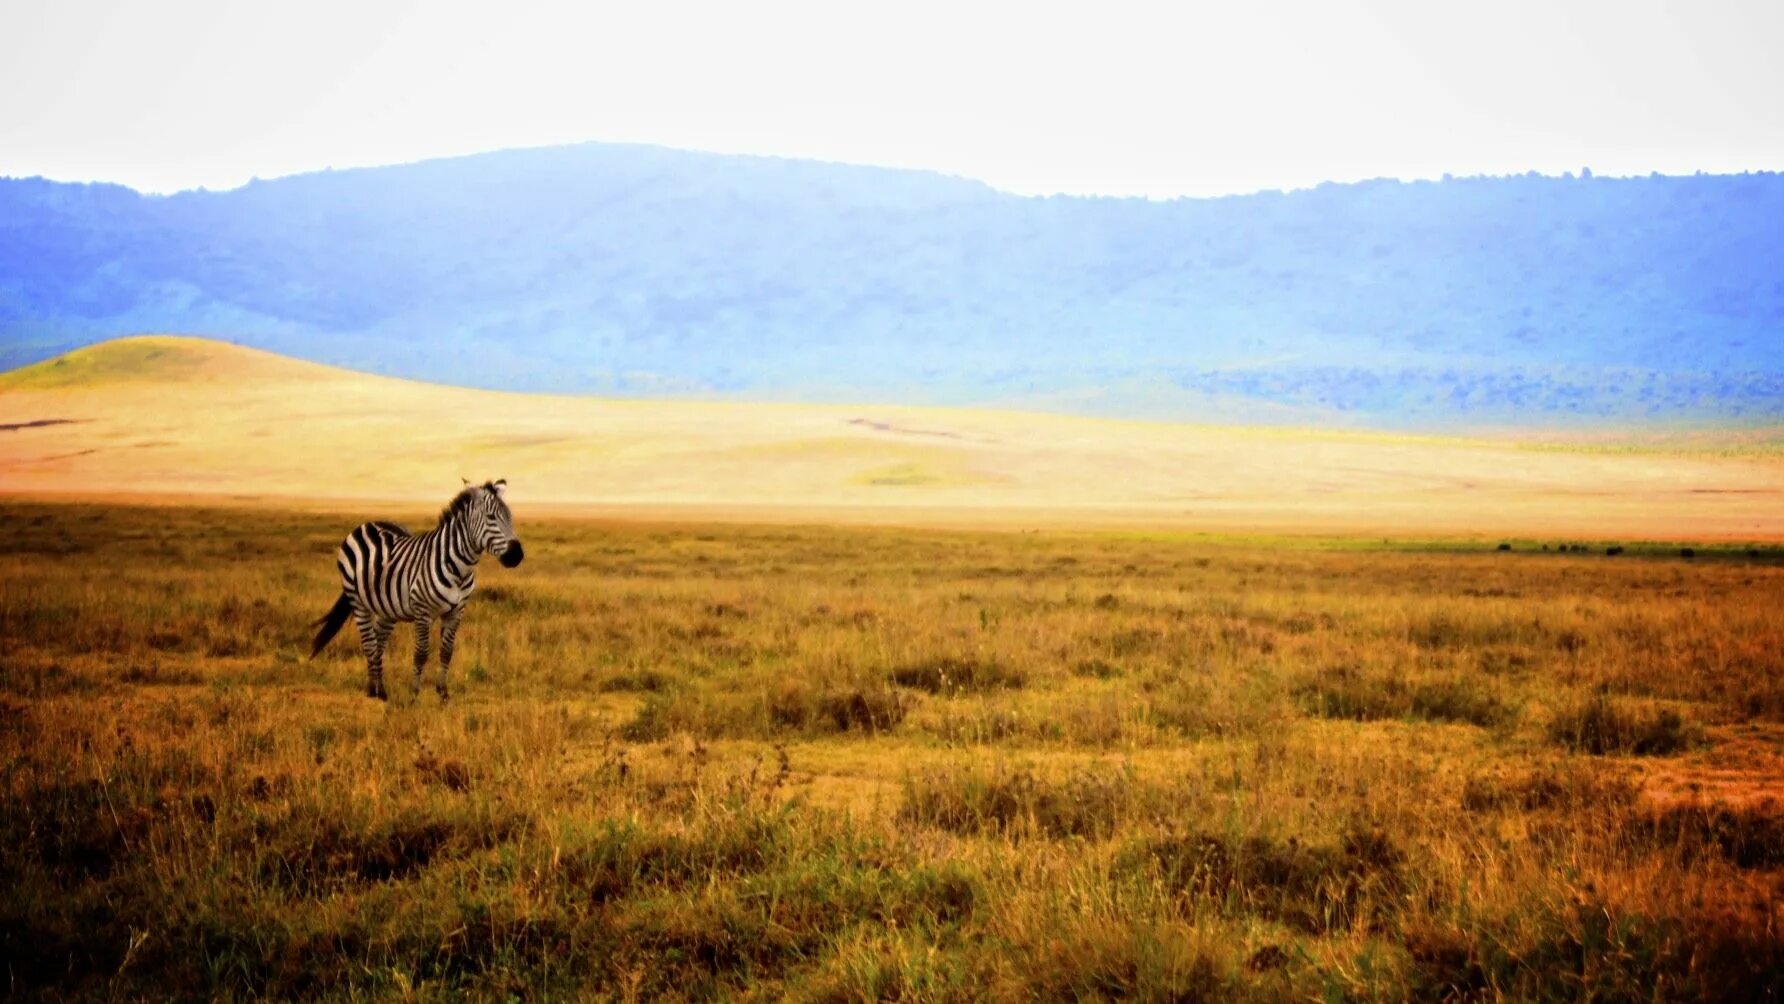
{"x": 462, "y": 501}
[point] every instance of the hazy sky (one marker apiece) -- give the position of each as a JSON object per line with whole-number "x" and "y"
{"x": 1115, "y": 98}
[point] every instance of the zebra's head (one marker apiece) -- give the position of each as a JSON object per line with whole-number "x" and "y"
{"x": 493, "y": 524}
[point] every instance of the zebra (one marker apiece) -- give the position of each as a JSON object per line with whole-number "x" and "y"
{"x": 390, "y": 575}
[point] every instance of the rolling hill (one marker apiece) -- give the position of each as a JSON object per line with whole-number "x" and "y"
{"x": 637, "y": 271}
{"x": 187, "y": 418}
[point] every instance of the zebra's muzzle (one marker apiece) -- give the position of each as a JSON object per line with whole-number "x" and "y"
{"x": 513, "y": 555}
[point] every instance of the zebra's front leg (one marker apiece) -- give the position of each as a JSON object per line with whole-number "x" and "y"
{"x": 448, "y": 634}
{"x": 373, "y": 633}
{"x": 424, "y": 629}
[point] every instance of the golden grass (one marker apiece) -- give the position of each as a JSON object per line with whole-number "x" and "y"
{"x": 189, "y": 419}
{"x": 695, "y": 761}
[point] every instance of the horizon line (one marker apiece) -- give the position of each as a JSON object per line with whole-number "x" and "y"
{"x": 1585, "y": 173}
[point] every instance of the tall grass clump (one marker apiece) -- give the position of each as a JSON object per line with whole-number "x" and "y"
{"x": 1603, "y": 726}
{"x": 1308, "y": 885}
{"x": 1349, "y": 693}
{"x": 949, "y": 676}
{"x": 1017, "y": 802}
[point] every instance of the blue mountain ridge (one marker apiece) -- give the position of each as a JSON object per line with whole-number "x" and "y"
{"x": 644, "y": 271}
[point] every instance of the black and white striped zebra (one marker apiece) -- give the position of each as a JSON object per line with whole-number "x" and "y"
{"x": 390, "y": 575}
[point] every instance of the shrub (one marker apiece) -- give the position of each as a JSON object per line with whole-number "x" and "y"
{"x": 640, "y": 681}
{"x": 316, "y": 852}
{"x": 983, "y": 725}
{"x": 867, "y": 710}
{"x": 1453, "y": 699}
{"x": 653, "y": 720}
{"x": 949, "y": 676}
{"x": 1312, "y": 887}
{"x": 1744, "y": 836}
{"x": 1089, "y": 802}
{"x": 1096, "y": 669}
{"x": 1567, "y": 786}
{"x": 448, "y": 772}
{"x": 1343, "y": 692}
{"x": 800, "y": 707}
{"x": 1087, "y": 959}
{"x": 1601, "y": 726}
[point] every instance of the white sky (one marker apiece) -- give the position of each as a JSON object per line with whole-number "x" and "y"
{"x": 1113, "y": 98}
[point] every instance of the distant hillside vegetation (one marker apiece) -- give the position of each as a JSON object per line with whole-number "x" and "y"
{"x": 639, "y": 270}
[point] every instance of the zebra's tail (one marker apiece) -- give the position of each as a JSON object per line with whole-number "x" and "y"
{"x": 331, "y": 622}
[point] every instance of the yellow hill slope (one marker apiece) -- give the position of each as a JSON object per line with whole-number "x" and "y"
{"x": 183, "y": 417}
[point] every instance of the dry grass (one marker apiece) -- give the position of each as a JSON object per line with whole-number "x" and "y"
{"x": 710, "y": 762}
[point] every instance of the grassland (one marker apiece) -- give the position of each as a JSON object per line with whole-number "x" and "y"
{"x": 761, "y": 762}
{"x": 190, "y": 419}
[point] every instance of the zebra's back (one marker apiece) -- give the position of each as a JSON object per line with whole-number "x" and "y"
{"x": 380, "y": 562}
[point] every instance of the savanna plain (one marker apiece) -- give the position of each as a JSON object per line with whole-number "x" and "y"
{"x": 724, "y": 761}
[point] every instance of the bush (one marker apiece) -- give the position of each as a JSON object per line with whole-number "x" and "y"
{"x": 639, "y": 681}
{"x": 1343, "y": 692}
{"x": 1746, "y": 836}
{"x": 948, "y": 676}
{"x": 653, "y": 721}
{"x": 1601, "y": 727}
{"x": 1452, "y": 699}
{"x": 1089, "y": 802}
{"x": 867, "y": 710}
{"x": 1096, "y": 669}
{"x": 1307, "y": 886}
{"x": 796, "y": 706}
{"x": 1569, "y": 786}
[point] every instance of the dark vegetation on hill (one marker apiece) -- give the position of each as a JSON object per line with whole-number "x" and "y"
{"x": 638, "y": 270}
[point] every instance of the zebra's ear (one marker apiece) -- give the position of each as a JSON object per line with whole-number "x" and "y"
{"x": 500, "y": 485}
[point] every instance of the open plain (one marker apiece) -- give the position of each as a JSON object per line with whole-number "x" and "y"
{"x": 712, "y": 761}
{"x": 844, "y": 704}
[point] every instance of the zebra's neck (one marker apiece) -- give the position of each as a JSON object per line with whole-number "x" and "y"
{"x": 455, "y": 543}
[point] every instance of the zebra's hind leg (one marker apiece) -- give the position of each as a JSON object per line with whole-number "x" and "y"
{"x": 373, "y": 633}
{"x": 448, "y": 634}
{"x": 424, "y": 629}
